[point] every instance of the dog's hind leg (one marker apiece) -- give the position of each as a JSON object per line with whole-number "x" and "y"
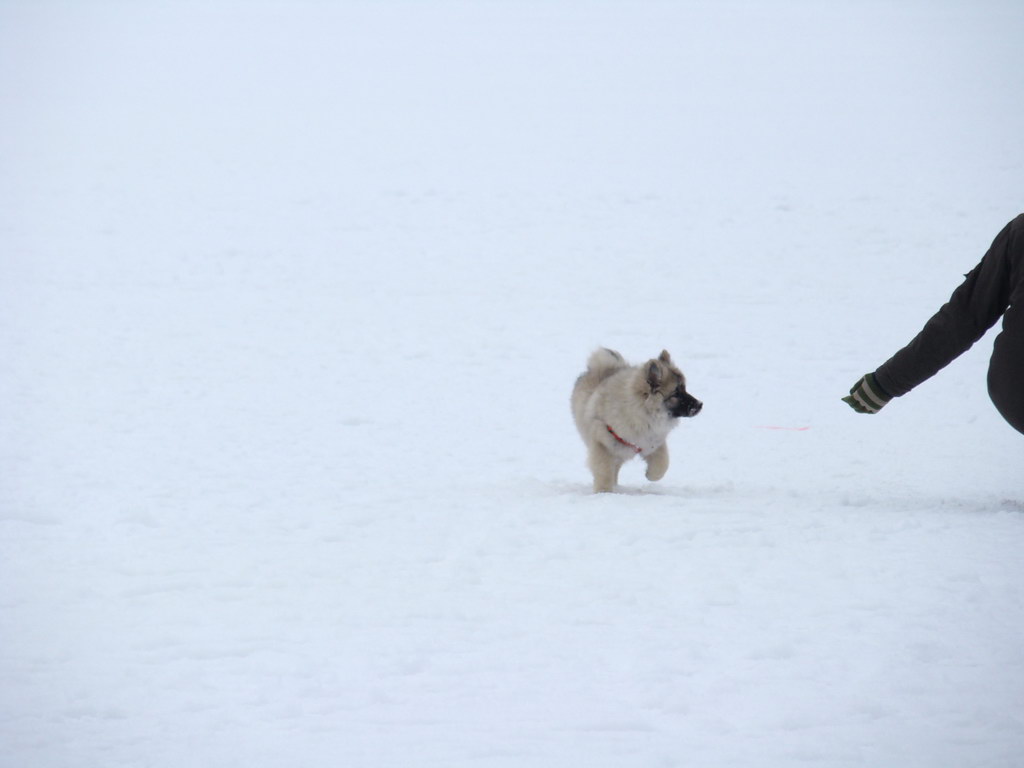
{"x": 657, "y": 463}
{"x": 605, "y": 468}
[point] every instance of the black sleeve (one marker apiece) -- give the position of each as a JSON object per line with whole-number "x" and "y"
{"x": 973, "y": 308}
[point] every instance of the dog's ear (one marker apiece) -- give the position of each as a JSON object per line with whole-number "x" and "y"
{"x": 655, "y": 375}
{"x": 664, "y": 357}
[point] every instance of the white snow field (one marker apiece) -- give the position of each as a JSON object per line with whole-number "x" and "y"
{"x": 292, "y": 298}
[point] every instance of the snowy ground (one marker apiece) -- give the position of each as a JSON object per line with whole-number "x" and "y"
{"x": 293, "y": 297}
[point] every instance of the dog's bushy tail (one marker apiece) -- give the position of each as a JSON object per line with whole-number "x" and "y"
{"x": 604, "y": 362}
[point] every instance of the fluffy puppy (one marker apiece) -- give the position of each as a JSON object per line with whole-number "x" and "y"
{"x": 623, "y": 411}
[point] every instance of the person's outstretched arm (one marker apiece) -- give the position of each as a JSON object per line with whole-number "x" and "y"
{"x": 973, "y": 308}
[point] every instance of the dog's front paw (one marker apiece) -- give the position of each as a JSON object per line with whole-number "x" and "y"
{"x": 657, "y": 464}
{"x": 656, "y": 473}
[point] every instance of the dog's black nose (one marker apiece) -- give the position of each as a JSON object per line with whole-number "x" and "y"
{"x": 694, "y": 408}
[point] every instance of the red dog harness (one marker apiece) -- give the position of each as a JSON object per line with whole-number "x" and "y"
{"x": 626, "y": 443}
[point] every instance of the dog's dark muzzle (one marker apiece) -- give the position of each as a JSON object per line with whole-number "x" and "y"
{"x": 688, "y": 406}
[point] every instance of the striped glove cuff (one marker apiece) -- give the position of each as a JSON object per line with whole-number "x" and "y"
{"x": 867, "y": 395}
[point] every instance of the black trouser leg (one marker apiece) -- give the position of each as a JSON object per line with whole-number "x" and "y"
{"x": 1006, "y": 370}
